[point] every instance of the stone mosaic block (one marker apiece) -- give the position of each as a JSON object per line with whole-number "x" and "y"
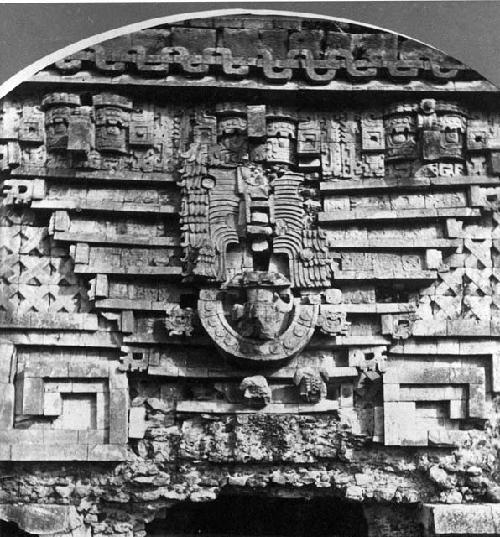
{"x": 83, "y": 413}
{"x": 461, "y": 389}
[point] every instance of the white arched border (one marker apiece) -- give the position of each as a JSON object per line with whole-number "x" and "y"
{"x": 32, "y": 69}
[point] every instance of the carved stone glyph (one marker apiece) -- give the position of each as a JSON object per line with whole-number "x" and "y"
{"x": 256, "y": 390}
{"x": 311, "y": 383}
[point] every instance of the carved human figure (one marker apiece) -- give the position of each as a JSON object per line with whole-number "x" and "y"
{"x": 179, "y": 321}
{"x": 112, "y": 119}
{"x": 58, "y": 110}
{"x": 256, "y": 211}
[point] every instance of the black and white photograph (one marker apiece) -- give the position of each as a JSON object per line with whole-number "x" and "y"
{"x": 250, "y": 269}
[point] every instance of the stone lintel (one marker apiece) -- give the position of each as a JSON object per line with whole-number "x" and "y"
{"x": 42, "y": 519}
{"x": 460, "y": 519}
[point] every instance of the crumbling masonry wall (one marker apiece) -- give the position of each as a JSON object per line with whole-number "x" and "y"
{"x": 250, "y": 255}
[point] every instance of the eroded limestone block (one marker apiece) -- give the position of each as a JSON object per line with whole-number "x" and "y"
{"x": 480, "y": 519}
{"x": 137, "y": 422}
{"x": 256, "y": 390}
{"x": 42, "y": 519}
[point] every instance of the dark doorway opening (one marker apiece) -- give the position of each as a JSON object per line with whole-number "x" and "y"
{"x": 9, "y": 529}
{"x": 251, "y": 516}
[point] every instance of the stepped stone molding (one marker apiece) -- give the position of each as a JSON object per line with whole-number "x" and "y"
{"x": 62, "y": 410}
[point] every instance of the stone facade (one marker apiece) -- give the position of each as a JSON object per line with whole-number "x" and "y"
{"x": 246, "y": 257}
